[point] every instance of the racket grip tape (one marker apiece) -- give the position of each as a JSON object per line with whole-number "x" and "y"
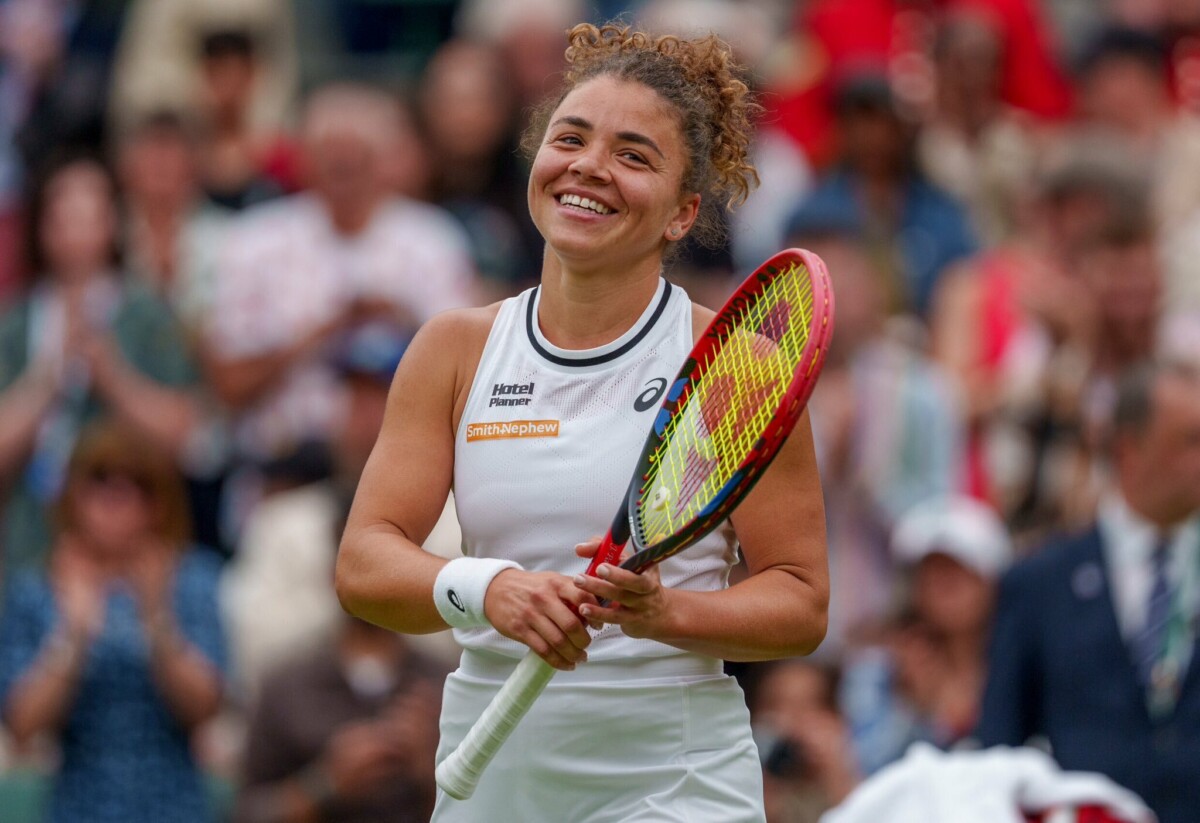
{"x": 459, "y": 773}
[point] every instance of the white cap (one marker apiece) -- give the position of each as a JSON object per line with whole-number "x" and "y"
{"x": 957, "y": 526}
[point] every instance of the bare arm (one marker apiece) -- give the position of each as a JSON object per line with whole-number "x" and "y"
{"x": 954, "y": 331}
{"x": 22, "y": 407}
{"x": 43, "y": 696}
{"x": 240, "y": 382}
{"x": 167, "y": 414}
{"x": 383, "y": 574}
{"x": 189, "y": 684}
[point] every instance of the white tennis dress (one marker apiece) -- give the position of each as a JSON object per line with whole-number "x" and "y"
{"x": 543, "y": 456}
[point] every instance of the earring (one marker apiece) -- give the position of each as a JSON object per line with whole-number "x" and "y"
{"x": 674, "y": 232}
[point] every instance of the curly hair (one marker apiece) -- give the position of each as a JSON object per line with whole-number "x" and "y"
{"x": 700, "y": 80}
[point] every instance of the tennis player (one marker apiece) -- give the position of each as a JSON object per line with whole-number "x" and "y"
{"x": 535, "y": 410}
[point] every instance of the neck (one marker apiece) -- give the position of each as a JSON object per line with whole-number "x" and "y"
{"x": 74, "y": 278}
{"x": 964, "y": 650}
{"x": 1144, "y": 501}
{"x": 582, "y": 310}
{"x": 351, "y": 218}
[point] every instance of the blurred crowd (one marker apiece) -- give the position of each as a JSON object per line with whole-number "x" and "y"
{"x": 222, "y": 220}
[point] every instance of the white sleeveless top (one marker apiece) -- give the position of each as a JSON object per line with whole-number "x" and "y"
{"x": 546, "y": 447}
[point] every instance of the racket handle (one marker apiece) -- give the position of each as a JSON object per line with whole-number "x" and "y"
{"x": 459, "y": 773}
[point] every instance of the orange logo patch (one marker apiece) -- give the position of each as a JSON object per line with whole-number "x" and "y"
{"x": 511, "y": 429}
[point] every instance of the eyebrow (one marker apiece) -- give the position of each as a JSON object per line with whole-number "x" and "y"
{"x": 628, "y": 136}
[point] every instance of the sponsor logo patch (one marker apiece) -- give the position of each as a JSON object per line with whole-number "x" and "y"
{"x": 511, "y": 394}
{"x": 511, "y": 429}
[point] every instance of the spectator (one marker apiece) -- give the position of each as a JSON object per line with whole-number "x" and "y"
{"x": 84, "y": 342}
{"x": 116, "y": 652}
{"x": 913, "y": 229}
{"x": 831, "y": 36}
{"x": 1125, "y": 92}
{"x": 298, "y": 272}
{"x": 479, "y": 175}
{"x": 972, "y": 143}
{"x": 1120, "y": 267}
{"x": 345, "y": 733}
{"x": 241, "y": 162}
{"x": 1095, "y": 634}
{"x": 1016, "y": 326}
{"x": 172, "y": 231}
{"x": 808, "y": 761}
{"x": 158, "y": 62}
{"x": 924, "y": 681}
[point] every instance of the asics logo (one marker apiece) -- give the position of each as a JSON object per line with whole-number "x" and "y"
{"x": 650, "y": 396}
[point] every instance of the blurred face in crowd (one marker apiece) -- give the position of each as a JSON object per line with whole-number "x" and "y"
{"x": 791, "y": 690}
{"x": 158, "y": 167}
{"x": 861, "y": 302}
{"x": 466, "y": 99}
{"x": 1159, "y": 467}
{"x": 1126, "y": 282}
{"x": 967, "y": 63}
{"x": 875, "y": 141}
{"x": 1125, "y": 94}
{"x": 78, "y": 221}
{"x": 347, "y": 138}
{"x": 112, "y": 510}
{"x": 950, "y": 597}
{"x": 228, "y": 82}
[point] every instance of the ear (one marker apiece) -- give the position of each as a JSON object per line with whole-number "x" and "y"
{"x": 681, "y": 222}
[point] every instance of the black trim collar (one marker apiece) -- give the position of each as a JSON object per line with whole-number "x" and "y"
{"x": 600, "y": 358}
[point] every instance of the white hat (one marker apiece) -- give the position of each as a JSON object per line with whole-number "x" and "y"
{"x": 959, "y": 527}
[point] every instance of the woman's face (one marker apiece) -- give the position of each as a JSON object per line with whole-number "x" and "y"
{"x": 113, "y": 512}
{"x": 78, "y": 223}
{"x": 605, "y": 185}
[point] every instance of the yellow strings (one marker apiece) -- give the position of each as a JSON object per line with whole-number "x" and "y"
{"x": 746, "y": 377}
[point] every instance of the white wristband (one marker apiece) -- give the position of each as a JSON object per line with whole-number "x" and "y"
{"x": 460, "y": 586}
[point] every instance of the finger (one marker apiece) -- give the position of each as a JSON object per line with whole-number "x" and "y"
{"x": 588, "y": 548}
{"x": 555, "y": 646}
{"x": 637, "y": 583}
{"x": 604, "y": 590}
{"x": 608, "y": 614}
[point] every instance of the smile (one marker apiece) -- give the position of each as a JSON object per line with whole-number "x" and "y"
{"x": 584, "y": 203}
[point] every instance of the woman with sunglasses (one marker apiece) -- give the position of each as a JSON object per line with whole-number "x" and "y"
{"x": 116, "y": 651}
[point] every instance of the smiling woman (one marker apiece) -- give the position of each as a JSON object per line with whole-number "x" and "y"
{"x": 645, "y": 144}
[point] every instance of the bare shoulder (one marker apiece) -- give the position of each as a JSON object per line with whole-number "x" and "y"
{"x": 460, "y": 329}
{"x": 445, "y": 354}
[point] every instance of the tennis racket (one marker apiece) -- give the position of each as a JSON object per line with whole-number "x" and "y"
{"x": 724, "y": 418}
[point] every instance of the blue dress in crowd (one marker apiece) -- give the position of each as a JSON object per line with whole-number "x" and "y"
{"x": 125, "y": 758}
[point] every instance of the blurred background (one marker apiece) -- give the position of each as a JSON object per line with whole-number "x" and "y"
{"x": 222, "y": 220}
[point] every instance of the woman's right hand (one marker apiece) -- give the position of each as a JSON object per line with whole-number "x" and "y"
{"x": 540, "y": 609}
{"x": 79, "y": 590}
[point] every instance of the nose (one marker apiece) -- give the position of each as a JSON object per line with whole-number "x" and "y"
{"x": 590, "y": 165}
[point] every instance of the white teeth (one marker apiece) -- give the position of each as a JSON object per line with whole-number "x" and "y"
{"x": 584, "y": 203}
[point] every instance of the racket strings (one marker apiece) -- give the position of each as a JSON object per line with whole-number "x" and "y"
{"x": 737, "y": 392}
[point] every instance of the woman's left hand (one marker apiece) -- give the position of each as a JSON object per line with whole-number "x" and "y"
{"x": 637, "y": 602}
{"x": 151, "y": 575}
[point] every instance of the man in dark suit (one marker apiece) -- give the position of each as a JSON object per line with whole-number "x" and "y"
{"x": 1094, "y": 645}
